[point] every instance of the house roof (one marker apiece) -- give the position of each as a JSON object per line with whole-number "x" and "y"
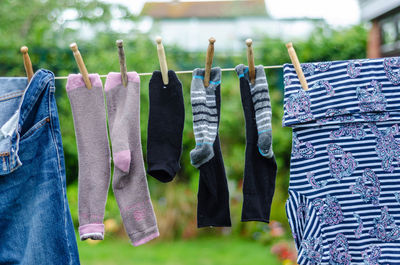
{"x": 371, "y": 9}
{"x": 204, "y": 9}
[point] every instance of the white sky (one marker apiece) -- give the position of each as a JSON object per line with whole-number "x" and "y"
{"x": 335, "y": 12}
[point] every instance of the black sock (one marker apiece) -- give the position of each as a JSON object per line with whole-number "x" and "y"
{"x": 213, "y": 194}
{"x": 259, "y": 170}
{"x": 165, "y": 127}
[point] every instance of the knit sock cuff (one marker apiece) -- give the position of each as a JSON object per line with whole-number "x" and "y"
{"x": 115, "y": 79}
{"x": 143, "y": 237}
{"x": 255, "y": 210}
{"x": 215, "y": 76}
{"x": 172, "y": 78}
{"x": 75, "y": 81}
{"x": 243, "y": 71}
{"x": 92, "y": 231}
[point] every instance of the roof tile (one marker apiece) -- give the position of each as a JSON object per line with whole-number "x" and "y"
{"x": 205, "y": 9}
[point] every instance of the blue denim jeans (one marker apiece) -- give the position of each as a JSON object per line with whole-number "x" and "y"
{"x": 35, "y": 221}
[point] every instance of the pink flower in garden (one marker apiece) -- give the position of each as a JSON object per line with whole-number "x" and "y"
{"x": 284, "y": 252}
{"x": 276, "y": 229}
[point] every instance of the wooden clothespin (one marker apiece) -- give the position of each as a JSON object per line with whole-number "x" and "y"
{"x": 122, "y": 62}
{"x": 209, "y": 60}
{"x": 27, "y": 62}
{"x": 81, "y": 65}
{"x": 297, "y": 66}
{"x": 163, "y": 60}
{"x": 250, "y": 61}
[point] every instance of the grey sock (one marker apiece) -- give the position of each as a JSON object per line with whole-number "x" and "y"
{"x": 129, "y": 178}
{"x": 205, "y": 116}
{"x": 89, "y": 113}
{"x": 262, "y": 107}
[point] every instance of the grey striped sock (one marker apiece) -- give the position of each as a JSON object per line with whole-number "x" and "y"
{"x": 262, "y": 107}
{"x": 205, "y": 115}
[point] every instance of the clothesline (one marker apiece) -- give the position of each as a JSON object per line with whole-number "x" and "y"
{"x": 163, "y": 64}
{"x": 188, "y": 71}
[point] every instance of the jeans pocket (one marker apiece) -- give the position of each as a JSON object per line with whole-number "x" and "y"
{"x": 34, "y": 129}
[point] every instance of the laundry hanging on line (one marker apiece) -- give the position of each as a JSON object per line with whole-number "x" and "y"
{"x": 129, "y": 173}
{"x": 250, "y": 73}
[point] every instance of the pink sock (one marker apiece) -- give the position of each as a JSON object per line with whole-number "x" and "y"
{"x": 129, "y": 179}
{"x": 88, "y": 110}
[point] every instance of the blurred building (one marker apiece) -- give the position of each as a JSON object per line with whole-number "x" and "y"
{"x": 231, "y": 22}
{"x": 384, "y": 36}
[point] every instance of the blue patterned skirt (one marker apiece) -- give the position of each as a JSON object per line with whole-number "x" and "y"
{"x": 344, "y": 191}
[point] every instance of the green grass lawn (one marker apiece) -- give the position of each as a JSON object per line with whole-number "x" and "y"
{"x": 202, "y": 251}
